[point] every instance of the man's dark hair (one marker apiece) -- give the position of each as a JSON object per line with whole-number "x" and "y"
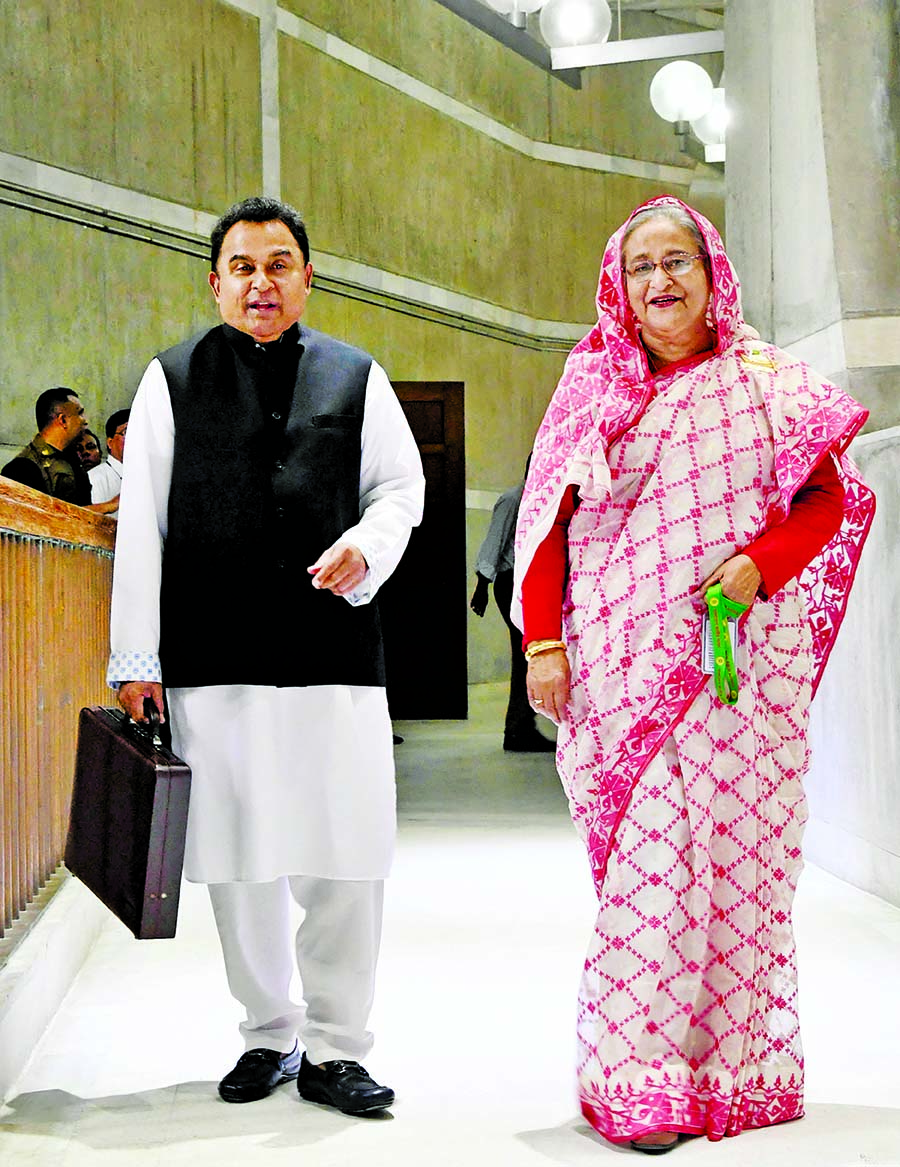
{"x": 47, "y": 405}
{"x": 258, "y": 210}
{"x": 115, "y": 420}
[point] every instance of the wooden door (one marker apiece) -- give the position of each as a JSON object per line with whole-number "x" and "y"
{"x": 423, "y": 604}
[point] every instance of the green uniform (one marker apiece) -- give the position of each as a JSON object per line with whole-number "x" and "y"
{"x": 45, "y": 468}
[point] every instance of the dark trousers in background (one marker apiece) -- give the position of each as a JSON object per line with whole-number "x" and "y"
{"x": 519, "y": 715}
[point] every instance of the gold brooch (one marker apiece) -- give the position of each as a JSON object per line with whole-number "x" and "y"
{"x": 756, "y": 356}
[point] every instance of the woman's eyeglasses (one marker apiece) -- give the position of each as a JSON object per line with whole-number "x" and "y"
{"x": 672, "y": 265}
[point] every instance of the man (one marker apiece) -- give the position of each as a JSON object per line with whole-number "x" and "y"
{"x": 41, "y": 464}
{"x": 277, "y": 469}
{"x": 494, "y": 565}
{"x": 106, "y": 479}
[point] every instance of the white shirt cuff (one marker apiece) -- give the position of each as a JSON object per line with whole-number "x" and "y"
{"x": 132, "y": 666}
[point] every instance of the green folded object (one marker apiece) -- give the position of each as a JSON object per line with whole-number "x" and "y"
{"x": 721, "y": 609}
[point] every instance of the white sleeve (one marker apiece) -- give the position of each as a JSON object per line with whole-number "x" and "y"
{"x": 105, "y": 483}
{"x": 143, "y": 511}
{"x": 391, "y": 486}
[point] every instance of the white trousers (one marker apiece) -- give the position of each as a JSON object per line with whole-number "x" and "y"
{"x": 336, "y": 950}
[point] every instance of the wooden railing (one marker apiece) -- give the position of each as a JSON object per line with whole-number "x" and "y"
{"x": 55, "y": 577}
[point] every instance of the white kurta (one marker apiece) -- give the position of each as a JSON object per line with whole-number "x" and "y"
{"x": 290, "y": 781}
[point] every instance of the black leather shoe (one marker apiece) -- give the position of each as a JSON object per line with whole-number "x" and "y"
{"x": 257, "y": 1073}
{"x": 344, "y": 1085}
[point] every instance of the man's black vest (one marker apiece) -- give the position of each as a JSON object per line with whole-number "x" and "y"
{"x": 265, "y": 478}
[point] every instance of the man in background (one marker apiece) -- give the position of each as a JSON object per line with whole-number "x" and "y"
{"x": 106, "y": 479}
{"x": 42, "y": 464}
{"x": 494, "y": 565}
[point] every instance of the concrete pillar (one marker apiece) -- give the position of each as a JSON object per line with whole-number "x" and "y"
{"x": 777, "y": 207}
{"x": 813, "y": 185}
{"x": 859, "y": 80}
{"x": 813, "y": 214}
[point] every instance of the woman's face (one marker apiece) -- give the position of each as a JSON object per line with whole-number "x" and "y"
{"x": 88, "y": 451}
{"x": 671, "y": 309}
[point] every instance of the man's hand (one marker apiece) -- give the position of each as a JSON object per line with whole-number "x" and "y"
{"x": 104, "y": 508}
{"x": 340, "y": 569}
{"x": 479, "y": 600}
{"x": 131, "y": 698}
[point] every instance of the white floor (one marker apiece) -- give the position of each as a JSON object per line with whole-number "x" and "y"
{"x": 489, "y": 912}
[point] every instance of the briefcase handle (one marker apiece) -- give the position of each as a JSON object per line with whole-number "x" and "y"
{"x": 151, "y": 730}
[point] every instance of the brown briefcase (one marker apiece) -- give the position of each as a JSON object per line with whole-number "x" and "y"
{"x": 128, "y": 821}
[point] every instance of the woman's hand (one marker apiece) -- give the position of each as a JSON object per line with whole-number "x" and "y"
{"x": 740, "y": 579}
{"x": 548, "y": 684}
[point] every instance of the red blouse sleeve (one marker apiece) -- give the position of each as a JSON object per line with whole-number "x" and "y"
{"x": 815, "y": 518}
{"x": 780, "y": 554}
{"x": 545, "y": 581}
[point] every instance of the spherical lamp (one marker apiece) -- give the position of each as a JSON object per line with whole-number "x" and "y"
{"x": 710, "y": 128}
{"x": 681, "y": 91}
{"x": 565, "y": 23}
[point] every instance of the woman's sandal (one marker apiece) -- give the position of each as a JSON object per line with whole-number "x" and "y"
{"x": 654, "y": 1148}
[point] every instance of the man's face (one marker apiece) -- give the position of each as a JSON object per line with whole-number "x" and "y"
{"x": 71, "y": 418}
{"x": 261, "y": 283}
{"x": 116, "y": 444}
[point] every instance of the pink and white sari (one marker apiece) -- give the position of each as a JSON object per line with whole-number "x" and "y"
{"x": 691, "y": 811}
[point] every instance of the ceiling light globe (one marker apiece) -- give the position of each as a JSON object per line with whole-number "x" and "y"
{"x": 710, "y": 129}
{"x": 681, "y": 91}
{"x": 565, "y": 23}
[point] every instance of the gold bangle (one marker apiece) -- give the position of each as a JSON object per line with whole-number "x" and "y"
{"x": 535, "y": 647}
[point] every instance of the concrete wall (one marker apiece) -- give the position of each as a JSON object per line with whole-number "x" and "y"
{"x": 407, "y": 137}
{"x": 85, "y": 308}
{"x": 161, "y": 98}
{"x": 854, "y": 794}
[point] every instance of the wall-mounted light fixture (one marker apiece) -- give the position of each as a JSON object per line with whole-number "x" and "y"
{"x": 575, "y": 35}
{"x": 710, "y": 128}
{"x": 515, "y": 11}
{"x": 682, "y": 92}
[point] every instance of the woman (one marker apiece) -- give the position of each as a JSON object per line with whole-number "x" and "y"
{"x": 678, "y": 451}
{"x": 87, "y": 449}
